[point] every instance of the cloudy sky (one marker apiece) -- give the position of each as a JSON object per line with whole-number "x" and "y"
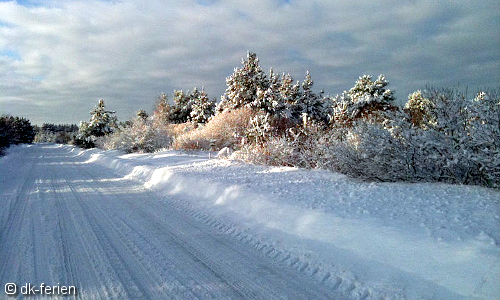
{"x": 58, "y": 58}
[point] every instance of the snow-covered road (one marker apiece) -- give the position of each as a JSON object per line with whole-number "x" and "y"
{"x": 67, "y": 222}
{"x": 174, "y": 225}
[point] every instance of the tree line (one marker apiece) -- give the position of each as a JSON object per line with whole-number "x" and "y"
{"x": 439, "y": 135}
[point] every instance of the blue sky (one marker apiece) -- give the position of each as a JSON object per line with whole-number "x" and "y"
{"x": 57, "y": 58}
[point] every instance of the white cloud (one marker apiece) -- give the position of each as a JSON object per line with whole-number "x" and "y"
{"x": 72, "y": 53}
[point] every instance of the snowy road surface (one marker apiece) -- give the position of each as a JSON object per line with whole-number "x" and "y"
{"x": 172, "y": 225}
{"x": 70, "y": 223}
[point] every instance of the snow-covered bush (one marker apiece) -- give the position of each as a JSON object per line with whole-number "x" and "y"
{"x": 227, "y": 129}
{"x": 277, "y": 151}
{"x": 458, "y": 143}
{"x": 144, "y": 135}
{"x": 372, "y": 151}
{"x": 464, "y": 136}
{"x": 305, "y": 147}
{"x": 260, "y": 128}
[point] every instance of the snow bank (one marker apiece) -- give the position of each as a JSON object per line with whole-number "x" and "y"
{"x": 367, "y": 240}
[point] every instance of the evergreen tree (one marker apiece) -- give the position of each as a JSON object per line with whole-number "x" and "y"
{"x": 161, "y": 114}
{"x": 15, "y": 130}
{"x": 269, "y": 100}
{"x": 243, "y": 84}
{"x": 420, "y": 109}
{"x": 24, "y": 132}
{"x": 202, "y": 108}
{"x": 367, "y": 99}
{"x": 102, "y": 122}
{"x": 309, "y": 104}
{"x": 290, "y": 94}
{"x": 182, "y": 107}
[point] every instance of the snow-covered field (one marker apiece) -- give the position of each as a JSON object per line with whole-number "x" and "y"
{"x": 189, "y": 226}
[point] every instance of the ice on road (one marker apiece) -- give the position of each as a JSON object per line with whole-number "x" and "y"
{"x": 65, "y": 221}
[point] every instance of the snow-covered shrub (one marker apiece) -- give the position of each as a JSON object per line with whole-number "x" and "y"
{"x": 260, "y": 128}
{"x": 372, "y": 151}
{"x": 144, "y": 135}
{"x": 102, "y": 122}
{"x": 305, "y": 147}
{"x": 176, "y": 130}
{"x": 467, "y": 133}
{"x": 277, "y": 151}
{"x": 227, "y": 129}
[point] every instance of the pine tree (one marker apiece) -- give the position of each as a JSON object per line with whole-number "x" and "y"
{"x": 367, "y": 99}
{"x": 102, "y": 122}
{"x": 202, "y": 108}
{"x": 161, "y": 114}
{"x": 15, "y": 130}
{"x": 243, "y": 84}
{"x": 420, "y": 110}
{"x": 309, "y": 105}
{"x": 269, "y": 100}
{"x": 182, "y": 107}
{"x": 290, "y": 94}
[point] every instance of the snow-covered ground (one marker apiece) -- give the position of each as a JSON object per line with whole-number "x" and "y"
{"x": 296, "y": 230}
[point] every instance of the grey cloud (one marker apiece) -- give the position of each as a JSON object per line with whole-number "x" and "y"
{"x": 75, "y": 52}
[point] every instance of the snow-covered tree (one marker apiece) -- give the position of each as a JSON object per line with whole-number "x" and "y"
{"x": 202, "y": 108}
{"x": 243, "y": 84}
{"x": 270, "y": 99}
{"x": 290, "y": 94}
{"x": 182, "y": 107}
{"x": 420, "y": 109}
{"x": 368, "y": 99}
{"x": 15, "y": 130}
{"x": 102, "y": 122}
{"x": 161, "y": 113}
{"x": 309, "y": 105}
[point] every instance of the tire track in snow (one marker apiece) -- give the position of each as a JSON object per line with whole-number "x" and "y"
{"x": 161, "y": 231}
{"x": 248, "y": 289}
{"x": 113, "y": 239}
{"x": 121, "y": 268}
{"x": 16, "y": 223}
